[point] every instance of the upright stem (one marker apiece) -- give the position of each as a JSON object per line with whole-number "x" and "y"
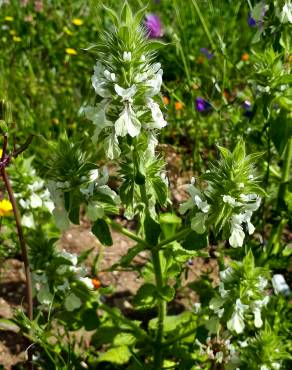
{"x": 161, "y": 304}
{"x": 23, "y": 251}
{"x": 285, "y": 173}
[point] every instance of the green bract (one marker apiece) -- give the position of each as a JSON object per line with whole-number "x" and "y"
{"x": 229, "y": 197}
{"x": 127, "y": 82}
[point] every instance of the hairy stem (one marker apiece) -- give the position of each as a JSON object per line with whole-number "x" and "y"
{"x": 161, "y": 306}
{"x": 285, "y": 174}
{"x": 126, "y": 232}
{"x": 23, "y": 252}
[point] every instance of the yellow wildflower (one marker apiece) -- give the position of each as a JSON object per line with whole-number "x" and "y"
{"x": 16, "y": 39}
{"x": 5, "y": 207}
{"x": 71, "y": 51}
{"x": 9, "y": 19}
{"x": 77, "y": 21}
{"x": 1, "y": 151}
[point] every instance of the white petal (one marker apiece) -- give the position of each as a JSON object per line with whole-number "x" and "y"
{"x": 258, "y": 323}
{"x": 98, "y": 81}
{"x": 87, "y": 281}
{"x": 236, "y": 237}
{"x": 125, "y": 94}
{"x": 127, "y": 123}
{"x": 202, "y": 205}
{"x": 156, "y": 113}
{"x": 111, "y": 146}
{"x": 154, "y": 84}
{"x": 35, "y": 201}
{"x": 236, "y": 323}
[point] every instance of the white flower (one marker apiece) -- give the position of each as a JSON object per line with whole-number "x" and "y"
{"x": 98, "y": 82}
{"x": 28, "y": 221}
{"x": 127, "y": 56}
{"x": 280, "y": 285}
{"x": 197, "y": 307}
{"x": 237, "y": 234}
{"x": 223, "y": 292}
{"x": 286, "y": 13}
{"x": 126, "y": 94}
{"x": 152, "y": 143}
{"x": 236, "y": 323}
{"x": 264, "y": 367}
{"x": 156, "y": 113}
{"x": 109, "y": 76}
{"x": 111, "y": 146}
{"x": 198, "y": 222}
{"x": 154, "y": 84}
{"x": 226, "y": 274}
{"x": 127, "y": 123}
{"x": 87, "y": 281}
{"x": 202, "y": 205}
{"x": 262, "y": 283}
{"x": 231, "y": 201}
{"x": 97, "y": 115}
{"x": 258, "y": 323}
{"x": 72, "y": 257}
{"x": 35, "y": 201}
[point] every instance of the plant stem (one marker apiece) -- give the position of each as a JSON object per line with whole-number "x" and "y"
{"x": 161, "y": 305}
{"x": 285, "y": 174}
{"x": 126, "y": 232}
{"x": 179, "y": 235}
{"x": 23, "y": 251}
{"x": 135, "y": 328}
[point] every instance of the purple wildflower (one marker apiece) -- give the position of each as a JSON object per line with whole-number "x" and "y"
{"x": 246, "y": 105}
{"x": 202, "y": 105}
{"x": 207, "y": 53}
{"x": 153, "y": 26}
{"x": 251, "y": 21}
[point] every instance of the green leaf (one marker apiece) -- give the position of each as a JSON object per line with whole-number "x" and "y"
{"x": 3, "y": 126}
{"x": 74, "y": 215}
{"x": 8, "y": 325}
{"x": 169, "y": 223}
{"x": 160, "y": 189}
{"x": 145, "y": 296}
{"x": 131, "y": 254}
{"x": 117, "y": 355}
{"x": 152, "y": 230}
{"x": 101, "y": 230}
{"x": 195, "y": 241}
{"x": 281, "y": 130}
{"x": 90, "y": 319}
{"x": 167, "y": 293}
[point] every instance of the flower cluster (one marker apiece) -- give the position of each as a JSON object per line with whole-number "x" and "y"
{"x": 219, "y": 350}
{"x": 61, "y": 281}
{"x": 31, "y": 192}
{"x": 127, "y": 83}
{"x": 230, "y": 198}
{"x": 242, "y": 294}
